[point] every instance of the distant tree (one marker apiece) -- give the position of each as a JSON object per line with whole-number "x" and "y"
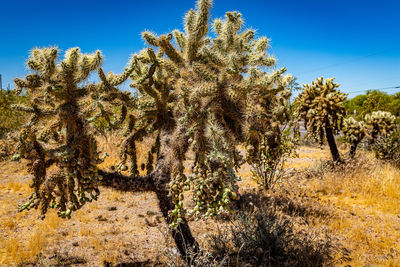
{"x": 374, "y": 100}
{"x": 355, "y": 105}
{"x": 380, "y": 123}
{"x": 394, "y": 106}
{"x": 377, "y": 126}
{"x": 10, "y": 119}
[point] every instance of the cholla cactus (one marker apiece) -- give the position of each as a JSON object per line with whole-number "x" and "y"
{"x": 268, "y": 158}
{"x": 223, "y": 98}
{"x": 388, "y": 147}
{"x": 383, "y": 135}
{"x": 380, "y": 123}
{"x": 204, "y": 94}
{"x": 207, "y": 95}
{"x": 320, "y": 105}
{"x": 354, "y": 132}
{"x": 153, "y": 108}
{"x": 57, "y": 133}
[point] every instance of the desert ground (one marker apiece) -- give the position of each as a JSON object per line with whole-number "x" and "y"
{"x": 358, "y": 207}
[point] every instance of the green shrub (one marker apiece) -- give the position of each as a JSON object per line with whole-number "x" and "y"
{"x": 10, "y": 120}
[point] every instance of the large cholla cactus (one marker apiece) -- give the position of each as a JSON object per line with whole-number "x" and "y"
{"x": 354, "y": 132}
{"x": 200, "y": 94}
{"x": 380, "y": 123}
{"x": 320, "y": 106}
{"x": 57, "y": 134}
{"x": 203, "y": 94}
{"x": 223, "y": 99}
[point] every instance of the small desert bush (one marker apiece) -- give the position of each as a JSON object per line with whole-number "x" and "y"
{"x": 269, "y": 237}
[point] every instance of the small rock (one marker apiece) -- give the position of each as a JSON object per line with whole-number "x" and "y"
{"x": 151, "y": 224}
{"x": 126, "y": 218}
{"x": 158, "y": 219}
{"x": 151, "y": 213}
{"x": 111, "y": 208}
{"x": 64, "y": 233}
{"x": 100, "y": 218}
{"x": 75, "y": 244}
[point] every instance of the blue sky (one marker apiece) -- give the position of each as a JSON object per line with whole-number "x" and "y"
{"x": 358, "y": 42}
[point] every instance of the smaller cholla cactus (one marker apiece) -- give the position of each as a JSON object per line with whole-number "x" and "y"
{"x": 380, "y": 123}
{"x": 58, "y": 138}
{"x": 388, "y": 147}
{"x": 354, "y": 132}
{"x": 320, "y": 105}
{"x": 383, "y": 134}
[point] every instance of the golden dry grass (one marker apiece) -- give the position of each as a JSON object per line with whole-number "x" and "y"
{"x": 366, "y": 203}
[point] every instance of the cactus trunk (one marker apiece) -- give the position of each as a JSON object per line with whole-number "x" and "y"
{"x": 158, "y": 182}
{"x": 332, "y": 143}
{"x": 182, "y": 235}
{"x": 353, "y": 148}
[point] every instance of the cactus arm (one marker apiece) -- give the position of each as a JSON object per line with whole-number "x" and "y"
{"x": 126, "y": 183}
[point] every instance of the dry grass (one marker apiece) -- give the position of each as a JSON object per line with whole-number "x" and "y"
{"x": 366, "y": 197}
{"x": 363, "y": 201}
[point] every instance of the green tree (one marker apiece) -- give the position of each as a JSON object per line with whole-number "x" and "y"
{"x": 58, "y": 134}
{"x": 355, "y": 105}
{"x": 10, "y": 120}
{"x": 377, "y": 126}
{"x": 373, "y": 100}
{"x": 376, "y": 100}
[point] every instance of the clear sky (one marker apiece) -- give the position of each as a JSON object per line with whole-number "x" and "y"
{"x": 358, "y": 42}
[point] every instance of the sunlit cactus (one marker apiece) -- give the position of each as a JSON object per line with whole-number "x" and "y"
{"x": 223, "y": 96}
{"x": 383, "y": 135}
{"x": 153, "y": 108}
{"x": 195, "y": 93}
{"x": 387, "y": 147}
{"x": 58, "y": 135}
{"x": 320, "y": 106}
{"x": 206, "y": 95}
{"x": 354, "y": 132}
{"x": 380, "y": 123}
